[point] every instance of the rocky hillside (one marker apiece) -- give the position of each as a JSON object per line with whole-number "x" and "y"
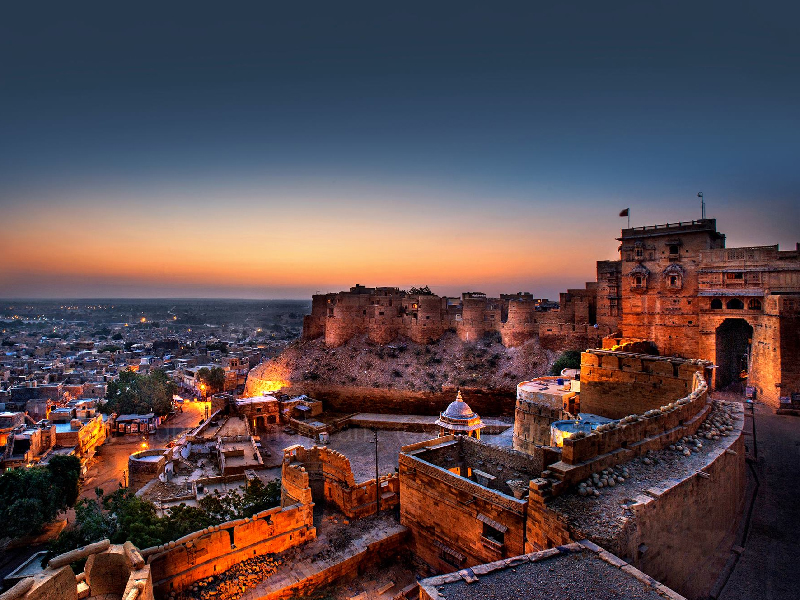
{"x": 405, "y": 365}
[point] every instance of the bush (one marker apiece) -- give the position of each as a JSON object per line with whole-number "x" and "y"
{"x": 30, "y": 498}
{"x": 571, "y": 359}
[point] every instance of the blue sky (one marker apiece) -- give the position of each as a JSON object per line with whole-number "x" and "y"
{"x": 156, "y": 145}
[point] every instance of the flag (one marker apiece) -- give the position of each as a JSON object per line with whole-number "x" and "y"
{"x": 625, "y": 213}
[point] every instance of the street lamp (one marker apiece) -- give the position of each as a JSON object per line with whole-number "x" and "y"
{"x": 377, "y": 477}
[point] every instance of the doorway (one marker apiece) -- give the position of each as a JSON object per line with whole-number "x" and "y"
{"x": 734, "y": 338}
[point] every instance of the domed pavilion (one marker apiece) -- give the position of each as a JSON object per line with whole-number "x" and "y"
{"x": 459, "y": 419}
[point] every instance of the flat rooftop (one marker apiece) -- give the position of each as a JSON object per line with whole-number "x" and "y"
{"x": 546, "y": 386}
{"x": 576, "y": 571}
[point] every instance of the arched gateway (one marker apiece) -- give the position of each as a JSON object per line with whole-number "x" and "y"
{"x": 734, "y": 338}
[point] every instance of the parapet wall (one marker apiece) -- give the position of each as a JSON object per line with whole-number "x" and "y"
{"x": 619, "y": 442}
{"x": 617, "y": 384}
{"x": 178, "y": 564}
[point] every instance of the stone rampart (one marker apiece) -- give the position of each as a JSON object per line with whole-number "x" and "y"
{"x": 619, "y": 442}
{"x": 353, "y": 399}
{"x": 617, "y": 384}
{"x": 178, "y": 564}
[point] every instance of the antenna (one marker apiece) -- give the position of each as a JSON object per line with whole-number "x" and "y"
{"x": 702, "y": 205}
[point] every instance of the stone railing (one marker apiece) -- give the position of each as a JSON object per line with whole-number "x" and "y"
{"x": 620, "y": 441}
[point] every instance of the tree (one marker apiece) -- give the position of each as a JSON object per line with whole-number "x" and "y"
{"x": 31, "y": 498}
{"x": 213, "y": 378}
{"x": 421, "y": 291}
{"x": 133, "y": 393}
{"x": 65, "y": 472}
{"x": 571, "y": 359}
{"x": 122, "y": 516}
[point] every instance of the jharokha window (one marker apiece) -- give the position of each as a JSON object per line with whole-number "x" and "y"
{"x": 673, "y": 276}
{"x": 638, "y": 277}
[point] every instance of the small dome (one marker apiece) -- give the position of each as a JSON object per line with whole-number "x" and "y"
{"x": 458, "y": 409}
{"x": 459, "y": 417}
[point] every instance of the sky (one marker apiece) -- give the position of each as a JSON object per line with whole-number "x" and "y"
{"x": 273, "y": 150}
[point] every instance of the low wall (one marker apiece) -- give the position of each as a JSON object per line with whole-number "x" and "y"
{"x": 347, "y": 399}
{"x": 322, "y": 573}
{"x": 178, "y": 564}
{"x": 616, "y": 443}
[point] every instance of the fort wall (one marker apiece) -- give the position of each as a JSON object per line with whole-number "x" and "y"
{"x": 704, "y": 508}
{"x": 387, "y": 313}
{"x": 617, "y": 384}
{"x": 178, "y": 564}
{"x": 346, "y": 399}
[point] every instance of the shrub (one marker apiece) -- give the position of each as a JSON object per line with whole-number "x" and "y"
{"x": 571, "y": 359}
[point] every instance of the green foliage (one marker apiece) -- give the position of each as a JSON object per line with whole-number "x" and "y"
{"x": 258, "y": 497}
{"x": 65, "y": 472}
{"x": 30, "y": 498}
{"x": 122, "y": 516}
{"x": 214, "y": 378}
{"x": 116, "y": 336}
{"x": 133, "y": 393}
{"x": 571, "y": 359}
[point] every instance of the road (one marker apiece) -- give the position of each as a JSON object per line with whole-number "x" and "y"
{"x": 767, "y": 568}
{"x": 110, "y": 466}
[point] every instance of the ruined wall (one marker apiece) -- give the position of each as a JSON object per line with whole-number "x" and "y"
{"x": 323, "y": 573}
{"x": 617, "y": 384}
{"x": 326, "y": 475}
{"x": 178, "y": 564}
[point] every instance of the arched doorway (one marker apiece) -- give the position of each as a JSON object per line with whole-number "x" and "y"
{"x": 259, "y": 423}
{"x": 734, "y": 337}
